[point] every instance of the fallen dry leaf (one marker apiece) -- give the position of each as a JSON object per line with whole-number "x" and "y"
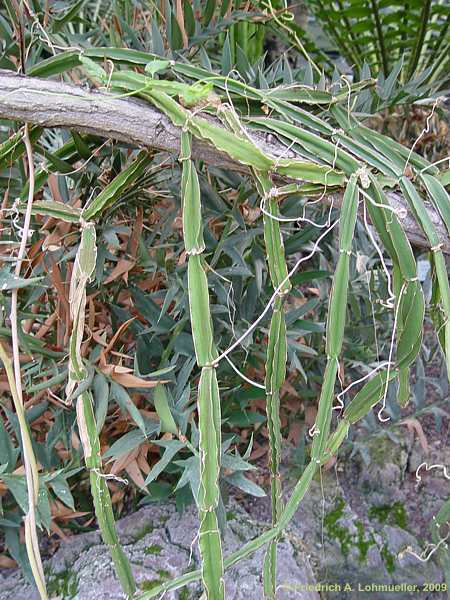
{"x": 414, "y": 426}
{"x": 120, "y": 270}
{"x": 125, "y": 377}
{"x": 7, "y": 563}
{"x": 135, "y": 474}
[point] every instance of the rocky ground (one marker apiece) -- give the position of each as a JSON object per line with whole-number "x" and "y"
{"x": 160, "y": 545}
{"x": 360, "y": 517}
{"x": 350, "y": 531}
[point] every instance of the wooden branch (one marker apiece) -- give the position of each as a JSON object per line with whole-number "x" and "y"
{"x": 54, "y": 104}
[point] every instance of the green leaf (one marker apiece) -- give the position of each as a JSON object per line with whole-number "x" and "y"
{"x": 171, "y": 448}
{"x": 117, "y": 186}
{"x": 239, "y": 480}
{"x": 93, "y": 70}
{"x": 131, "y": 440}
{"x": 155, "y": 66}
{"x": 100, "y": 388}
{"x": 162, "y": 408}
{"x": 9, "y": 281}
{"x": 120, "y": 395}
{"x": 62, "y": 490}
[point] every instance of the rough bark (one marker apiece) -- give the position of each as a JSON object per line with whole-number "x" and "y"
{"x": 54, "y": 104}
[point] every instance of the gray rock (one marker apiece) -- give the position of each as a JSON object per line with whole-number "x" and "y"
{"x": 161, "y": 544}
{"x": 347, "y": 540}
{"x": 355, "y": 553}
{"x": 387, "y": 465}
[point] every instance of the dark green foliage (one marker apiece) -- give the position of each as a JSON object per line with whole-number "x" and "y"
{"x": 141, "y": 329}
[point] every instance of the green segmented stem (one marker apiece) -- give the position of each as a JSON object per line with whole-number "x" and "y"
{"x": 321, "y": 148}
{"x": 249, "y": 548}
{"x": 369, "y": 395}
{"x": 275, "y": 367}
{"x": 438, "y": 524}
{"x": 438, "y": 196}
{"x": 332, "y": 446}
{"x": 392, "y": 150}
{"x": 441, "y": 294}
{"x": 362, "y": 145}
{"x": 309, "y": 171}
{"x": 409, "y": 306}
{"x": 403, "y": 390}
{"x": 211, "y": 552}
{"x": 192, "y": 211}
{"x": 336, "y": 317}
{"x": 82, "y": 272}
{"x": 417, "y": 205}
{"x": 209, "y": 430}
{"x": 201, "y": 323}
{"x": 55, "y": 209}
{"x": 390, "y": 231}
{"x": 83, "y": 269}
{"x": 436, "y": 311}
{"x": 404, "y": 278}
{"x": 87, "y": 428}
{"x": 240, "y": 148}
{"x": 208, "y": 402}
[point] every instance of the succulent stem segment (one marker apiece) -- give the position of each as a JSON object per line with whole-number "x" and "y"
{"x": 83, "y": 270}
{"x": 208, "y": 400}
{"x": 275, "y": 366}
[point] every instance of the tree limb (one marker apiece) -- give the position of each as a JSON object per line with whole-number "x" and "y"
{"x": 54, "y": 104}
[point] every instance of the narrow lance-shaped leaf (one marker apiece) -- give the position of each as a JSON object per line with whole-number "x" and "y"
{"x": 67, "y": 154}
{"x": 162, "y": 408}
{"x": 117, "y": 186}
{"x": 14, "y": 147}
